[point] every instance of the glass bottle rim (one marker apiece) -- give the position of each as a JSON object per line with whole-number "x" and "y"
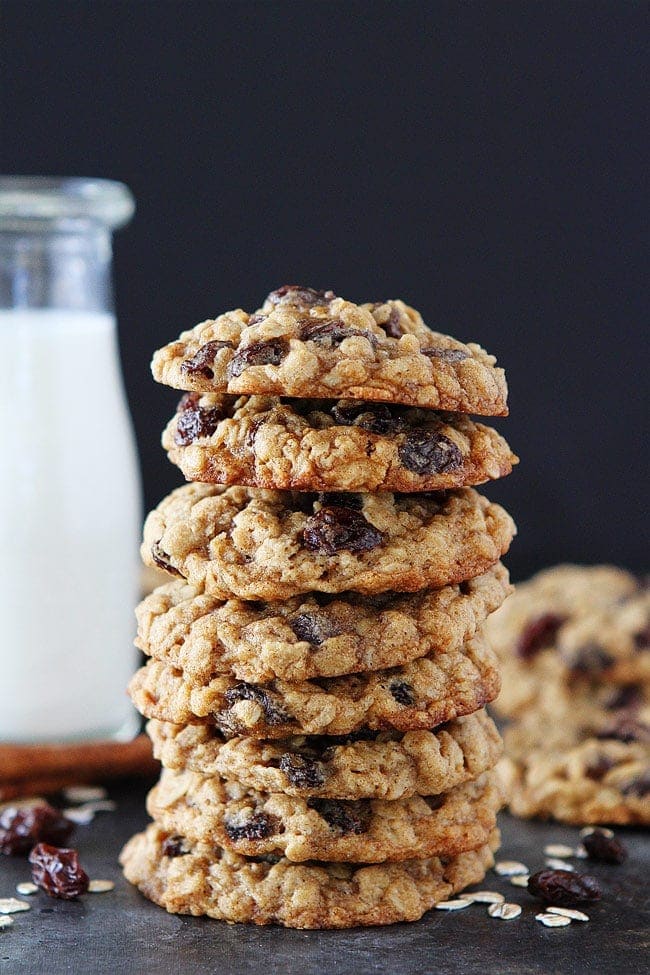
{"x": 26, "y": 199}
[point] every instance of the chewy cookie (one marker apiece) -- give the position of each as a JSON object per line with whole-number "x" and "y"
{"x": 306, "y": 343}
{"x": 200, "y": 878}
{"x": 571, "y": 625}
{"x": 422, "y": 694}
{"x": 259, "y": 544}
{"x": 364, "y": 765}
{"x": 330, "y": 445}
{"x": 252, "y": 823}
{"x": 315, "y": 635}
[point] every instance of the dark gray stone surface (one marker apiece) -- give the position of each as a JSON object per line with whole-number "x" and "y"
{"x": 120, "y": 933}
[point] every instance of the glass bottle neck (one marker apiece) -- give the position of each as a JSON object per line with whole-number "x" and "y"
{"x": 55, "y": 264}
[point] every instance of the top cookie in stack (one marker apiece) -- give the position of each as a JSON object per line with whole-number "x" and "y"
{"x": 335, "y": 568}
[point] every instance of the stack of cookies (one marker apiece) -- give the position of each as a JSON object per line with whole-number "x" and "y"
{"x": 574, "y": 643}
{"x": 318, "y": 670}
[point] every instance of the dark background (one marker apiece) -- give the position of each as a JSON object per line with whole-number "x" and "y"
{"x": 484, "y": 161}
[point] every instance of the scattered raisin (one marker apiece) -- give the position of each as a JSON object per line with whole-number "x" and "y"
{"x": 258, "y": 827}
{"x": 642, "y": 639}
{"x": 564, "y": 887}
{"x": 314, "y": 628}
{"x": 273, "y": 712}
{"x": 589, "y": 659}
{"x": 600, "y": 846}
{"x": 58, "y": 872}
{"x": 332, "y": 529}
{"x": 195, "y": 421}
{"x": 448, "y": 355}
{"x": 162, "y": 560}
{"x": 332, "y": 332}
{"x": 402, "y": 692}
{"x": 538, "y": 634}
{"x": 599, "y": 769}
{"x": 349, "y": 817}
{"x": 626, "y": 696}
{"x": 302, "y": 772}
{"x": 202, "y": 361}
{"x": 174, "y": 846}
{"x": 269, "y": 353}
{"x": 638, "y": 787}
{"x": 22, "y": 827}
{"x": 428, "y": 452}
{"x": 296, "y": 294}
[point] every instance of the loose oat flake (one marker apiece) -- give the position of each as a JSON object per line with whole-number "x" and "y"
{"x": 558, "y": 850}
{"x": 485, "y": 897}
{"x": 6, "y": 922}
{"x": 556, "y": 864}
{"x": 455, "y": 905}
{"x": 82, "y": 815}
{"x": 520, "y": 880}
{"x": 553, "y": 920}
{"x": 568, "y": 912}
{"x": 510, "y": 868}
{"x": 504, "y": 911}
{"x": 84, "y": 793}
{"x": 11, "y": 905}
{"x": 100, "y": 886}
{"x": 26, "y": 888}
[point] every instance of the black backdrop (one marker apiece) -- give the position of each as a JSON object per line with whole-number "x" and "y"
{"x": 484, "y": 161}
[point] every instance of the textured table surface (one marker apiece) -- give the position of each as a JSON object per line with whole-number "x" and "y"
{"x": 120, "y": 933}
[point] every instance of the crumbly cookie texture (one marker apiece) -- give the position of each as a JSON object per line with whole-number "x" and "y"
{"x": 420, "y": 695}
{"x": 368, "y": 765}
{"x": 204, "y": 879}
{"x": 305, "y": 343}
{"x": 314, "y": 635}
{"x": 325, "y": 445}
{"x": 569, "y": 625}
{"x": 206, "y": 808}
{"x": 260, "y": 544}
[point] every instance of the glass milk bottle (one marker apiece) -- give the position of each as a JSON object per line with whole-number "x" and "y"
{"x": 69, "y": 483}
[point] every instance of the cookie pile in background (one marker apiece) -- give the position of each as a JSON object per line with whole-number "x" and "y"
{"x": 318, "y": 671}
{"x": 574, "y": 645}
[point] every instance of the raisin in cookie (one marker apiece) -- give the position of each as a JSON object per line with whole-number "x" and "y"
{"x": 305, "y": 343}
{"x": 228, "y": 814}
{"x": 363, "y": 765}
{"x": 422, "y": 694}
{"x": 314, "y": 635}
{"x": 325, "y": 445}
{"x": 200, "y": 878}
{"x": 260, "y": 544}
{"x": 571, "y": 624}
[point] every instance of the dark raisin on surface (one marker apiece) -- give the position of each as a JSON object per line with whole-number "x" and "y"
{"x": 348, "y": 817}
{"x": 22, "y": 827}
{"x": 538, "y": 634}
{"x": 599, "y": 768}
{"x": 297, "y": 294}
{"x": 202, "y": 361}
{"x": 428, "y": 452}
{"x": 435, "y": 802}
{"x": 174, "y": 846}
{"x": 258, "y": 827}
{"x": 402, "y": 692}
{"x": 392, "y": 326}
{"x": 627, "y": 728}
{"x": 448, "y": 355}
{"x": 626, "y": 696}
{"x": 268, "y": 353}
{"x": 195, "y": 421}
{"x": 162, "y": 560}
{"x": 58, "y": 872}
{"x": 564, "y": 887}
{"x": 638, "y": 787}
{"x": 373, "y": 417}
{"x": 333, "y": 529}
{"x": 332, "y": 332}
{"x": 340, "y": 499}
{"x": 274, "y": 713}
{"x": 642, "y": 639}
{"x": 606, "y": 848}
{"x": 314, "y": 628}
{"x": 302, "y": 772}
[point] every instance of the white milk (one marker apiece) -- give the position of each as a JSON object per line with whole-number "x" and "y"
{"x": 69, "y": 529}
